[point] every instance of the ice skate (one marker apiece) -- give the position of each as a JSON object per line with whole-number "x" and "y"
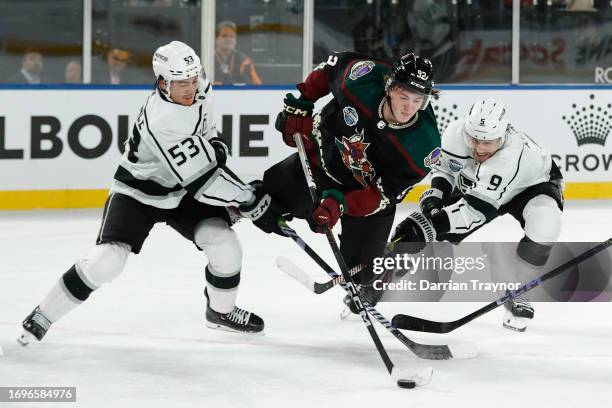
{"x": 35, "y": 326}
{"x": 518, "y": 313}
{"x": 238, "y": 320}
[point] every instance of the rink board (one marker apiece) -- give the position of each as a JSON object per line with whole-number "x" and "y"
{"x": 62, "y": 151}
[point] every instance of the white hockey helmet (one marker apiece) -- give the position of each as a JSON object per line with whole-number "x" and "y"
{"x": 487, "y": 120}
{"x": 175, "y": 61}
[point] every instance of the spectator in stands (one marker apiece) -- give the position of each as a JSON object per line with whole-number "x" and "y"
{"x": 232, "y": 66}
{"x": 32, "y": 66}
{"x": 113, "y": 70}
{"x": 580, "y": 5}
{"x": 72, "y": 73}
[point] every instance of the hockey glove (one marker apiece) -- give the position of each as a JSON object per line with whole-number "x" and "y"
{"x": 264, "y": 210}
{"x": 296, "y": 117}
{"x": 221, "y": 150}
{"x": 329, "y": 210}
{"x": 414, "y": 232}
{"x": 431, "y": 202}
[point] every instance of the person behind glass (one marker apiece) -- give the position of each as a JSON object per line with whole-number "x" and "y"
{"x": 231, "y": 65}
{"x": 32, "y": 66}
{"x": 72, "y": 72}
{"x": 113, "y": 69}
{"x": 173, "y": 171}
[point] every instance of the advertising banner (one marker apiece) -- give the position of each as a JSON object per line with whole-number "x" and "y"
{"x": 71, "y": 139}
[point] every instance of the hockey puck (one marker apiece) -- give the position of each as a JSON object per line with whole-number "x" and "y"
{"x": 406, "y": 383}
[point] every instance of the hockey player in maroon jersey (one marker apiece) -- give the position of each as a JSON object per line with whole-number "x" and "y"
{"x": 368, "y": 146}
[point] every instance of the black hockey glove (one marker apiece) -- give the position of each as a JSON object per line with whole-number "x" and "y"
{"x": 296, "y": 117}
{"x": 431, "y": 202}
{"x": 414, "y": 232}
{"x": 221, "y": 150}
{"x": 264, "y": 211}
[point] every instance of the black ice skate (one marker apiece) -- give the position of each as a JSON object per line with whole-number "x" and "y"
{"x": 367, "y": 293}
{"x": 518, "y": 313}
{"x": 35, "y": 326}
{"x": 238, "y": 320}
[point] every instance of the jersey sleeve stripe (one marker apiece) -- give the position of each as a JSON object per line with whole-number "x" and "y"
{"x": 472, "y": 223}
{"x": 442, "y": 182}
{"x": 199, "y": 185}
{"x": 198, "y": 122}
{"x": 455, "y": 155}
{"x": 204, "y": 149}
{"x": 207, "y": 168}
{"x": 220, "y": 200}
{"x": 148, "y": 187}
{"x": 227, "y": 177}
{"x": 488, "y": 210}
{"x": 160, "y": 148}
{"x": 518, "y": 166}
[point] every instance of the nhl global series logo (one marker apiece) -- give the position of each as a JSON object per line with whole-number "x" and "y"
{"x": 590, "y": 123}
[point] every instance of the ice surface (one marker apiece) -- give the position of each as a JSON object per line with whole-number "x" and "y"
{"x": 141, "y": 342}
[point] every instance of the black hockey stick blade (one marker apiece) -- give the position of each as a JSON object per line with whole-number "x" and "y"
{"x": 407, "y": 322}
{"x": 425, "y": 351}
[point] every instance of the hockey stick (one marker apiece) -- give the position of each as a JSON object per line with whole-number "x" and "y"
{"x": 417, "y": 324}
{"x": 349, "y": 285}
{"x": 425, "y": 351}
{"x": 317, "y": 287}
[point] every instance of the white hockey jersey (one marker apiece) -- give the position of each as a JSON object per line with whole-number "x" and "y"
{"x": 169, "y": 155}
{"x": 518, "y": 165}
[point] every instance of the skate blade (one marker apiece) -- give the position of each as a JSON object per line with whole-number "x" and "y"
{"x": 518, "y": 324}
{"x": 25, "y": 338}
{"x": 220, "y": 327}
{"x": 349, "y": 316}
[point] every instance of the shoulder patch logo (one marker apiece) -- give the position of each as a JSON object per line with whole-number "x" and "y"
{"x": 455, "y": 165}
{"x": 433, "y": 158}
{"x": 350, "y": 116}
{"x": 361, "y": 68}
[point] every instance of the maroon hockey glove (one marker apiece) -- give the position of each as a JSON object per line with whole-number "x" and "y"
{"x": 296, "y": 117}
{"x": 329, "y": 211}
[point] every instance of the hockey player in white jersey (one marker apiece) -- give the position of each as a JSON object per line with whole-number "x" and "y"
{"x": 486, "y": 169}
{"x": 173, "y": 171}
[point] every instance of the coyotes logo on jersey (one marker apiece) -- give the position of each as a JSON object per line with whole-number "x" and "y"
{"x": 353, "y": 151}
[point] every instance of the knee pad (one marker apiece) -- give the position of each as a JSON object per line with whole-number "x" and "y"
{"x": 221, "y": 246}
{"x": 102, "y": 264}
{"x": 542, "y": 219}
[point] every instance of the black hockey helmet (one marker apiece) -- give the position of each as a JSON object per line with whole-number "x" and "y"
{"x": 414, "y": 73}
